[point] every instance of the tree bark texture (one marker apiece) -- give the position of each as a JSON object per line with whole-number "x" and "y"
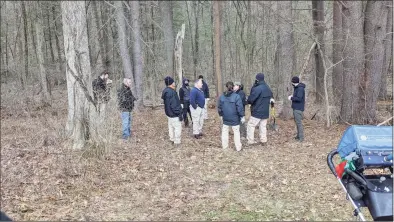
{"x": 217, "y": 46}
{"x": 318, "y": 29}
{"x": 167, "y": 23}
{"x": 337, "y": 55}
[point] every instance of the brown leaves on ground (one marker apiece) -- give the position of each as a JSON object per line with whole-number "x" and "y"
{"x": 148, "y": 179}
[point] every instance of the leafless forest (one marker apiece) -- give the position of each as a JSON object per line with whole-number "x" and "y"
{"x": 62, "y": 159}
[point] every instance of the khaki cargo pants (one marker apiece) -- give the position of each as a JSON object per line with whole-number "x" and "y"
{"x": 252, "y": 123}
{"x": 175, "y": 129}
{"x": 237, "y": 137}
{"x": 198, "y": 119}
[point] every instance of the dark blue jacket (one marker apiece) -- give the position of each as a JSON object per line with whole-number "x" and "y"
{"x": 172, "y": 105}
{"x": 230, "y": 107}
{"x": 241, "y": 93}
{"x": 259, "y": 98}
{"x": 298, "y": 99}
{"x": 197, "y": 98}
{"x": 205, "y": 89}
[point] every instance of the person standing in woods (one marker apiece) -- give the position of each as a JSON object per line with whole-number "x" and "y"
{"x": 126, "y": 105}
{"x": 197, "y": 103}
{"x": 259, "y": 98}
{"x": 101, "y": 88}
{"x": 232, "y": 112}
{"x": 238, "y": 88}
{"x": 205, "y": 89}
{"x": 298, "y": 105}
{"x": 173, "y": 110}
{"x": 184, "y": 96}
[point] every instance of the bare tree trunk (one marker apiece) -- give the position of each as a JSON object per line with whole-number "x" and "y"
{"x": 375, "y": 33}
{"x": 286, "y": 54}
{"x": 388, "y": 57}
{"x": 337, "y": 55}
{"x": 26, "y": 43}
{"x": 60, "y": 63}
{"x": 50, "y": 37}
{"x": 123, "y": 47}
{"x": 100, "y": 33}
{"x": 318, "y": 29}
{"x": 166, "y": 10}
{"x": 217, "y": 32}
{"x": 96, "y": 60}
{"x": 137, "y": 53}
{"x": 196, "y": 37}
{"x": 178, "y": 55}
{"x": 79, "y": 85}
{"x": 353, "y": 64}
{"x": 45, "y": 88}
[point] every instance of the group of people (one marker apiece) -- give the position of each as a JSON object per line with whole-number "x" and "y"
{"x": 192, "y": 103}
{"x": 231, "y": 109}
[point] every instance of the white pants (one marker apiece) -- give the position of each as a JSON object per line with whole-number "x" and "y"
{"x": 206, "y": 109}
{"x": 198, "y": 119}
{"x": 252, "y": 123}
{"x": 175, "y": 129}
{"x": 237, "y": 137}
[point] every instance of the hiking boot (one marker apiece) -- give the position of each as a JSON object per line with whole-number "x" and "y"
{"x": 264, "y": 143}
{"x": 201, "y": 135}
{"x": 197, "y": 136}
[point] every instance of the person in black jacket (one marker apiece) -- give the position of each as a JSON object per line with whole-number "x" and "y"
{"x": 173, "y": 110}
{"x": 232, "y": 112}
{"x": 259, "y": 98}
{"x": 101, "y": 88}
{"x": 184, "y": 96}
{"x": 239, "y": 90}
{"x": 298, "y": 106}
{"x": 126, "y": 105}
{"x": 205, "y": 89}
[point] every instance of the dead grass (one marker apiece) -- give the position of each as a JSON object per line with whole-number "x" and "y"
{"x": 148, "y": 179}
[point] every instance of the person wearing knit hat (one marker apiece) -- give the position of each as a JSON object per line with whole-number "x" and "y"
{"x": 298, "y": 106}
{"x": 259, "y": 98}
{"x": 238, "y": 90}
{"x": 173, "y": 110}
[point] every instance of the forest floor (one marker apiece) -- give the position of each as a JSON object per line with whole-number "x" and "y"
{"x": 148, "y": 179}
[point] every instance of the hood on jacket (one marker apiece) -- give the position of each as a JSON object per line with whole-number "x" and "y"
{"x": 300, "y": 85}
{"x": 183, "y": 82}
{"x": 228, "y": 93}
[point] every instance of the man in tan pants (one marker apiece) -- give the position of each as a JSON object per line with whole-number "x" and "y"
{"x": 259, "y": 98}
{"x": 173, "y": 110}
{"x": 197, "y": 103}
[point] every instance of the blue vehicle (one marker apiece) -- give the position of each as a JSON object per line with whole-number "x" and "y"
{"x": 362, "y": 150}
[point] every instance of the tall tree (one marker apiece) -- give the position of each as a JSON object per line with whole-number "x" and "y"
{"x": 388, "y": 55}
{"x": 374, "y": 35}
{"x": 286, "y": 53}
{"x": 167, "y": 23}
{"x": 337, "y": 55}
{"x": 78, "y": 72}
{"x": 26, "y": 54}
{"x": 318, "y": 29}
{"x": 217, "y": 37}
{"x": 137, "y": 53}
{"x": 123, "y": 46}
{"x": 45, "y": 87}
{"x": 353, "y": 64}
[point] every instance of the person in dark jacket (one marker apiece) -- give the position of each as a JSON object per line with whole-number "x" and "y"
{"x": 173, "y": 110}
{"x": 197, "y": 104}
{"x": 184, "y": 96}
{"x": 238, "y": 88}
{"x": 101, "y": 88}
{"x": 205, "y": 89}
{"x": 259, "y": 98}
{"x": 232, "y": 112}
{"x": 298, "y": 105}
{"x": 126, "y": 105}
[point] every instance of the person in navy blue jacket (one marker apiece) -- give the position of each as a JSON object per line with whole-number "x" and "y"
{"x": 205, "y": 89}
{"x": 173, "y": 110}
{"x": 231, "y": 110}
{"x": 259, "y": 98}
{"x": 197, "y": 104}
{"x": 298, "y": 106}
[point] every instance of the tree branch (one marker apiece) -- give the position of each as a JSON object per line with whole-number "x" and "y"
{"x": 386, "y": 121}
{"x": 308, "y": 56}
